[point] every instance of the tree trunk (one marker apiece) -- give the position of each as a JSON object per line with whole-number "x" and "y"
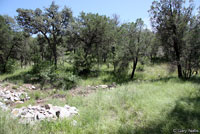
{"x": 179, "y": 71}
{"x": 134, "y": 67}
{"x": 21, "y": 61}
{"x": 180, "y": 75}
{"x": 4, "y": 67}
{"x": 177, "y": 52}
{"x": 55, "y": 56}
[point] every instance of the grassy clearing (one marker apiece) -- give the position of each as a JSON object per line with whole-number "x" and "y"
{"x": 154, "y": 103}
{"x": 17, "y": 76}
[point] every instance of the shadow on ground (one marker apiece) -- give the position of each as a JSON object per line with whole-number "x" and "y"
{"x": 184, "y": 116}
{"x": 23, "y": 77}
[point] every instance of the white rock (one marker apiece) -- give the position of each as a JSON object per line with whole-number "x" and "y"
{"x": 28, "y": 115}
{"x": 12, "y": 99}
{"x": 67, "y": 106}
{"x": 103, "y": 86}
{"x": 16, "y": 112}
{"x": 33, "y": 113}
{"x": 33, "y": 87}
{"x": 64, "y": 113}
{"x": 40, "y": 116}
{"x": 52, "y": 112}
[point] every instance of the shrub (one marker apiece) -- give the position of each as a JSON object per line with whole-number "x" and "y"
{"x": 40, "y": 67}
{"x": 121, "y": 69}
{"x": 65, "y": 80}
{"x": 10, "y": 66}
{"x": 44, "y": 72}
{"x": 82, "y": 66}
{"x": 37, "y": 95}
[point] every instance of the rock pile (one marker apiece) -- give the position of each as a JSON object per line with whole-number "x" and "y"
{"x": 103, "y": 86}
{"x": 29, "y": 86}
{"x": 8, "y": 96}
{"x": 34, "y": 113}
{"x": 31, "y": 114}
{"x": 84, "y": 91}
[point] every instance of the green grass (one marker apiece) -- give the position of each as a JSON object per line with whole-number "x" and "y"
{"x": 17, "y": 75}
{"x": 146, "y": 107}
{"x": 8, "y": 125}
{"x": 156, "y": 102}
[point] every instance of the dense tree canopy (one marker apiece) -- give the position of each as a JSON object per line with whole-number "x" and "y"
{"x": 170, "y": 19}
{"x": 91, "y": 32}
{"x": 8, "y": 43}
{"x": 91, "y": 40}
{"x": 52, "y": 24}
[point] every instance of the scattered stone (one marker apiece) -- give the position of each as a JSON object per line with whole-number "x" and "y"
{"x": 30, "y": 114}
{"x": 33, "y": 87}
{"x": 19, "y": 102}
{"x": 13, "y": 96}
{"x": 29, "y": 86}
{"x": 103, "y": 86}
{"x": 84, "y": 91}
{"x": 40, "y": 116}
{"x": 34, "y": 113}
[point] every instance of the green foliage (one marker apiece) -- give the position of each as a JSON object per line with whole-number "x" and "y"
{"x": 81, "y": 65}
{"x": 40, "y": 67}
{"x": 156, "y": 102}
{"x": 65, "y": 80}
{"x": 121, "y": 70}
{"x": 7, "y": 46}
{"x": 134, "y": 41}
{"x": 46, "y": 73}
{"x": 92, "y": 34}
{"x": 153, "y": 104}
{"x": 11, "y": 65}
{"x": 9, "y": 125}
{"x": 22, "y": 97}
{"x": 140, "y": 67}
{"x": 37, "y": 95}
{"x": 177, "y": 29}
{"x": 50, "y": 23}
{"x": 15, "y": 87}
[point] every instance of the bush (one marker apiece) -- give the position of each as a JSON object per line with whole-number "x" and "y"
{"x": 83, "y": 66}
{"x": 38, "y": 68}
{"x": 45, "y": 73}
{"x": 10, "y": 66}
{"x": 121, "y": 69}
{"x": 65, "y": 80}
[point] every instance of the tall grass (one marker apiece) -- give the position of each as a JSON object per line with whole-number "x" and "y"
{"x": 156, "y": 104}
{"x": 9, "y": 125}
